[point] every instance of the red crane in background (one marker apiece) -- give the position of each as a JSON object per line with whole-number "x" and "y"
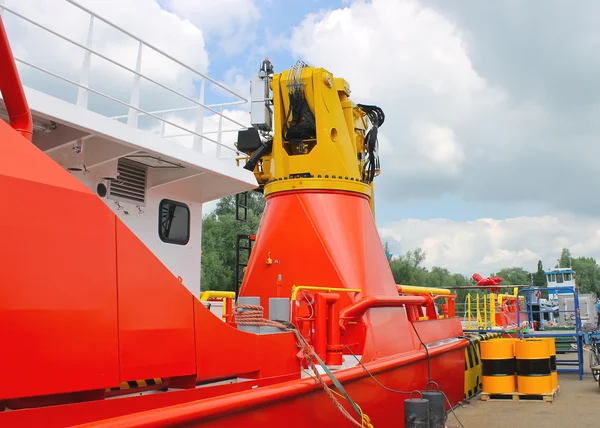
{"x": 490, "y": 281}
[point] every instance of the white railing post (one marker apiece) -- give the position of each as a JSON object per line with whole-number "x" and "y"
{"x": 84, "y": 78}
{"x": 199, "y": 119}
{"x": 162, "y": 124}
{"x": 134, "y": 100}
{"x": 220, "y": 133}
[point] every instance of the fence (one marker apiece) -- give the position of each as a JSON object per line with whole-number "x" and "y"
{"x": 163, "y": 117}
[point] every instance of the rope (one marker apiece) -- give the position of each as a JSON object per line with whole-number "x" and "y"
{"x": 253, "y": 315}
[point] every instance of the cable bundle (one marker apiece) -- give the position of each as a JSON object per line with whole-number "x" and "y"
{"x": 376, "y": 117}
{"x": 302, "y": 124}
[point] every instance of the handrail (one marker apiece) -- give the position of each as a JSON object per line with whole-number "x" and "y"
{"x": 210, "y": 294}
{"x": 133, "y": 105}
{"x": 12, "y": 90}
{"x": 123, "y": 103}
{"x": 220, "y": 85}
{"x": 124, "y": 67}
{"x": 297, "y": 288}
{"x": 414, "y": 289}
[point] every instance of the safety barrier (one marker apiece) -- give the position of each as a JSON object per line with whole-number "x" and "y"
{"x": 533, "y": 366}
{"x": 498, "y": 366}
{"x": 192, "y": 107}
{"x": 473, "y": 369}
{"x": 567, "y": 342}
{"x": 483, "y": 312}
{"x": 226, "y": 296}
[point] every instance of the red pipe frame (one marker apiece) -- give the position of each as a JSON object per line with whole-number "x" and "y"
{"x": 11, "y": 88}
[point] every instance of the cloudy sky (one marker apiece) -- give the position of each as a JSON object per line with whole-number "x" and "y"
{"x": 492, "y": 132}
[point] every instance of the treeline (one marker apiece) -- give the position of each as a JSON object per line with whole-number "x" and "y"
{"x": 220, "y": 229}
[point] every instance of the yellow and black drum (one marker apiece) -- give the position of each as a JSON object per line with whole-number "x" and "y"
{"x": 534, "y": 374}
{"x": 498, "y": 366}
{"x": 552, "y": 351}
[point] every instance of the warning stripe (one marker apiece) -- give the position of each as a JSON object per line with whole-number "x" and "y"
{"x": 131, "y": 384}
{"x": 473, "y": 362}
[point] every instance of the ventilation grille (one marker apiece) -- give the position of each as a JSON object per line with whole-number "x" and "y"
{"x": 130, "y": 184}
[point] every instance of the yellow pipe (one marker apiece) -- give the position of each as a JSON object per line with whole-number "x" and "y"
{"x": 415, "y": 289}
{"x": 493, "y": 310}
{"x": 469, "y": 311}
{"x": 205, "y": 295}
{"x": 478, "y": 312}
{"x": 484, "y": 312}
{"x": 297, "y": 288}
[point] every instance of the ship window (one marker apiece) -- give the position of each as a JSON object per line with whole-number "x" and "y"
{"x": 174, "y": 222}
{"x": 559, "y": 278}
{"x": 552, "y": 278}
{"x": 567, "y": 276}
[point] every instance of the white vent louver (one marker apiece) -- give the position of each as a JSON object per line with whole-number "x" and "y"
{"x": 130, "y": 184}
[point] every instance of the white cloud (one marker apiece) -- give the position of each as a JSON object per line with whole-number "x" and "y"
{"x": 233, "y": 21}
{"x": 487, "y": 245}
{"x": 439, "y": 147}
{"x": 411, "y": 61}
{"x": 163, "y": 29}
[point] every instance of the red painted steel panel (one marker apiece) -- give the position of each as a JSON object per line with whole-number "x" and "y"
{"x": 226, "y": 351}
{"x": 302, "y": 400}
{"x": 434, "y": 330}
{"x": 156, "y": 319}
{"x": 327, "y": 238}
{"x": 58, "y": 321}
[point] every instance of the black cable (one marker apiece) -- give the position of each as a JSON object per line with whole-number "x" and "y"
{"x": 396, "y": 391}
{"x": 373, "y": 377}
{"x": 376, "y": 118}
{"x": 429, "y": 376}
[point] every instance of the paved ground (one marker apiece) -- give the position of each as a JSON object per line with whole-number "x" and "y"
{"x": 577, "y": 406}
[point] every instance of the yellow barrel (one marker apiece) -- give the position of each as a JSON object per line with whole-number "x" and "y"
{"x": 498, "y": 366}
{"x": 553, "y": 372}
{"x": 533, "y": 366}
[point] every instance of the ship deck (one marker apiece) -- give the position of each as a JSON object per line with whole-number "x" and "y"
{"x": 575, "y": 406}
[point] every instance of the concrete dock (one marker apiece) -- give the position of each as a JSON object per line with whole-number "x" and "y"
{"x": 577, "y": 406}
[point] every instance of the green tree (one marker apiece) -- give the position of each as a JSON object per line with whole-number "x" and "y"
{"x": 539, "y": 277}
{"x": 219, "y": 234}
{"x": 587, "y": 275}
{"x": 565, "y": 258}
{"x": 514, "y": 276}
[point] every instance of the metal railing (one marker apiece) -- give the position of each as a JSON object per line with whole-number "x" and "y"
{"x": 133, "y": 106}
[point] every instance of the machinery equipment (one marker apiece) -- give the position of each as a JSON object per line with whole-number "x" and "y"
{"x": 115, "y": 339}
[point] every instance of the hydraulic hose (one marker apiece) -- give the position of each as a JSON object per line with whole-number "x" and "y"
{"x": 264, "y": 148}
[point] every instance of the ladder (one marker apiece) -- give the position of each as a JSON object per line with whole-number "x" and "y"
{"x": 244, "y": 243}
{"x": 565, "y": 339}
{"x": 241, "y": 206}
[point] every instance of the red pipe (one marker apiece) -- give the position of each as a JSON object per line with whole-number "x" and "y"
{"x": 358, "y": 309}
{"x": 19, "y": 114}
{"x": 320, "y": 343}
{"x": 334, "y": 353}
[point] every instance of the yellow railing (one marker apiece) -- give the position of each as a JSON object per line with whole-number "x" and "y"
{"x": 220, "y": 295}
{"x": 415, "y": 289}
{"x": 297, "y": 288}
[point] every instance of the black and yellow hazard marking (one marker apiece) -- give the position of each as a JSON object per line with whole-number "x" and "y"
{"x": 534, "y": 369}
{"x": 498, "y": 366}
{"x": 473, "y": 373}
{"x": 133, "y": 384}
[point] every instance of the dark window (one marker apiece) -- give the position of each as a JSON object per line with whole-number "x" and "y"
{"x": 174, "y": 222}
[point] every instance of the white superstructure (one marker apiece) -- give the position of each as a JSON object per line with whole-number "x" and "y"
{"x": 155, "y": 168}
